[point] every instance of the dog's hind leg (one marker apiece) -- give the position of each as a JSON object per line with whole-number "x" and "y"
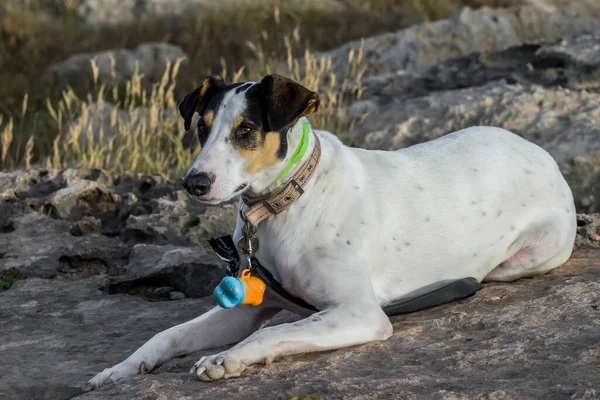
{"x": 214, "y": 328}
{"x": 536, "y": 251}
{"x": 333, "y": 328}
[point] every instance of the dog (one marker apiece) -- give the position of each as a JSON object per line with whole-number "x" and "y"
{"x": 364, "y": 228}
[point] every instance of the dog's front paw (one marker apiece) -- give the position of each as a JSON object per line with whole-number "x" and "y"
{"x": 219, "y": 366}
{"x": 114, "y": 374}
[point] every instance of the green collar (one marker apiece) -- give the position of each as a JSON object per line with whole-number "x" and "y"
{"x": 298, "y": 154}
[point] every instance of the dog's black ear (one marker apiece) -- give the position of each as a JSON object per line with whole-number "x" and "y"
{"x": 286, "y": 101}
{"x": 197, "y": 100}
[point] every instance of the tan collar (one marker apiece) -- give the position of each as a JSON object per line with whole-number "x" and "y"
{"x": 261, "y": 207}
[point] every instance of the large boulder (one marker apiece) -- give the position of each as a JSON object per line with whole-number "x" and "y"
{"x": 484, "y": 29}
{"x": 114, "y": 66}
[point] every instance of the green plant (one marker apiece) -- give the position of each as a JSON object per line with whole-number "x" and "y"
{"x": 9, "y": 277}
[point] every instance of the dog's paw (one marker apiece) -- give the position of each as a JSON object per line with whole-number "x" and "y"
{"x": 113, "y": 374}
{"x": 217, "y": 367}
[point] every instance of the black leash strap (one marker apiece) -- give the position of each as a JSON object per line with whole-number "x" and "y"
{"x": 226, "y": 251}
{"x": 274, "y": 285}
{"x": 426, "y": 297}
{"x": 433, "y": 295}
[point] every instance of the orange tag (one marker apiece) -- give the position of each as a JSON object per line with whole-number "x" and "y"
{"x": 255, "y": 288}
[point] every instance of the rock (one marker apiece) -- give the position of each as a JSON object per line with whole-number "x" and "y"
{"x": 135, "y": 208}
{"x": 545, "y": 65}
{"x": 588, "y": 231}
{"x": 115, "y": 11}
{"x": 581, "y": 7}
{"x": 581, "y": 51}
{"x": 40, "y": 246}
{"x": 176, "y": 296}
{"x": 485, "y": 29}
{"x": 193, "y": 272}
{"x": 114, "y": 66}
{"x": 171, "y": 222}
{"x": 163, "y": 290}
{"x": 57, "y": 333}
{"x": 80, "y": 223}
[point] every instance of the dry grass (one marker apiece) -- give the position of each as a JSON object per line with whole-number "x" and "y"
{"x": 58, "y": 126}
{"x": 142, "y": 131}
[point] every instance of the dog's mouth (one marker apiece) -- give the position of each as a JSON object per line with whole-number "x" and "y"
{"x": 213, "y": 202}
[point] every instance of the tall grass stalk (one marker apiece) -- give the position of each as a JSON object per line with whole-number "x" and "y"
{"x": 140, "y": 129}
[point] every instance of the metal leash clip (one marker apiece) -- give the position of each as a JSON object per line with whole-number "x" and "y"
{"x": 248, "y": 243}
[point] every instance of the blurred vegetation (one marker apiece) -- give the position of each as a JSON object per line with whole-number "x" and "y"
{"x": 240, "y": 43}
{"x": 9, "y": 277}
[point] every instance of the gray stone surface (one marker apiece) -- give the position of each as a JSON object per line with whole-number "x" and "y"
{"x": 588, "y": 228}
{"x": 140, "y": 231}
{"x": 535, "y": 338}
{"x": 56, "y": 332}
{"x": 485, "y": 29}
{"x": 115, "y": 11}
{"x": 193, "y": 272}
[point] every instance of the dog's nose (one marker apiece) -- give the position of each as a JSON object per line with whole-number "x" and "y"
{"x": 197, "y": 184}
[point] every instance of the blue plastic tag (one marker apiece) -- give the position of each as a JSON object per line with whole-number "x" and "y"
{"x": 230, "y": 293}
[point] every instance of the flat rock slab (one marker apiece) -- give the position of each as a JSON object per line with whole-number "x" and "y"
{"x": 57, "y": 333}
{"x": 534, "y": 338}
{"x": 468, "y": 31}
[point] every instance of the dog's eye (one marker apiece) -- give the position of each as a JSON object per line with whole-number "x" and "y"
{"x": 201, "y": 126}
{"x": 244, "y": 130}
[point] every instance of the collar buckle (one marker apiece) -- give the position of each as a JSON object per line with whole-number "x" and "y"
{"x": 296, "y": 186}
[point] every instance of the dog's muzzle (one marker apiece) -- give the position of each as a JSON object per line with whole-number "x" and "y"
{"x": 198, "y": 184}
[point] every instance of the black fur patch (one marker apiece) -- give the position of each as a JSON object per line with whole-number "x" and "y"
{"x": 273, "y": 105}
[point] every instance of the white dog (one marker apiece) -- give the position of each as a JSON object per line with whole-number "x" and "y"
{"x": 363, "y": 228}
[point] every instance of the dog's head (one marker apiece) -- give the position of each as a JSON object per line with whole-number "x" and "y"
{"x": 243, "y": 129}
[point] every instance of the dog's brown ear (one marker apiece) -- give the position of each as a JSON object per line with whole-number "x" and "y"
{"x": 197, "y": 100}
{"x": 286, "y": 101}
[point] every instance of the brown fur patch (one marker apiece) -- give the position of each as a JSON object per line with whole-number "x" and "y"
{"x": 265, "y": 156}
{"x": 313, "y": 107}
{"x": 208, "y": 117}
{"x": 206, "y": 85}
{"x": 238, "y": 121}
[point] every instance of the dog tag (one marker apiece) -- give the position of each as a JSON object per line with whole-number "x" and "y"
{"x": 248, "y": 289}
{"x": 248, "y": 246}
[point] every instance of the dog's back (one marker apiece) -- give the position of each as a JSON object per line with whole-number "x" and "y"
{"x": 454, "y": 207}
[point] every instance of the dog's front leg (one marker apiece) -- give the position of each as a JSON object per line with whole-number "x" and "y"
{"x": 214, "y": 328}
{"x": 335, "y": 327}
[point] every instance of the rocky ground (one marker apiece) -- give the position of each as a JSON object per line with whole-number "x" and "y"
{"x": 102, "y": 263}
{"x": 93, "y": 265}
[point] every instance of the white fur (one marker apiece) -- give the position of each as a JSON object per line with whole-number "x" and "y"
{"x": 373, "y": 226}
